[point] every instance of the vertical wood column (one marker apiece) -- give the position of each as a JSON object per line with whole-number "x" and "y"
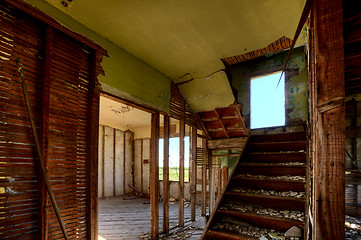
{"x": 211, "y": 185}
{"x": 204, "y": 181}
{"x": 181, "y": 173}
{"x": 92, "y": 152}
{"x": 328, "y": 121}
{"x": 166, "y": 175}
{"x": 44, "y": 129}
{"x": 154, "y": 177}
{"x": 193, "y": 180}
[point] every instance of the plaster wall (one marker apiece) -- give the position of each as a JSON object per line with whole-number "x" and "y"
{"x": 296, "y": 87}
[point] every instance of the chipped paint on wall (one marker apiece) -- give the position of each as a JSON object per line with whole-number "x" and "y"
{"x": 296, "y": 88}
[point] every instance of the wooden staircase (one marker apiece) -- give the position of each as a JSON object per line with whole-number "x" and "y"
{"x": 265, "y": 195}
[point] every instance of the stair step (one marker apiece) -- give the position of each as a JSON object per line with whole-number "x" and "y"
{"x": 262, "y": 221}
{"x": 273, "y": 170}
{"x": 212, "y": 234}
{"x": 275, "y": 146}
{"x": 296, "y": 136}
{"x": 276, "y": 202}
{"x": 274, "y": 157}
{"x": 269, "y": 184}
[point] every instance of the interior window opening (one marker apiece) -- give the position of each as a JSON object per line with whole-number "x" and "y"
{"x": 267, "y": 101}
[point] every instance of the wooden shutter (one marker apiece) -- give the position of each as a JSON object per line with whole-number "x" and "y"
{"x": 64, "y": 95}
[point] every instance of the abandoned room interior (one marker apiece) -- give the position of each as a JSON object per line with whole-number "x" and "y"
{"x": 180, "y": 119}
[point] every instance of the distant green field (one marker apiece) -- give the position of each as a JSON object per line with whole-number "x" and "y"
{"x": 174, "y": 174}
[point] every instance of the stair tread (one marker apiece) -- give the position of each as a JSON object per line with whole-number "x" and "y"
{"x": 229, "y": 235}
{"x": 278, "y": 137}
{"x": 268, "y": 180}
{"x": 265, "y": 196}
{"x": 248, "y": 164}
{"x": 254, "y": 214}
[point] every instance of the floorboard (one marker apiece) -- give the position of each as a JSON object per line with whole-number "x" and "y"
{"x": 127, "y": 219}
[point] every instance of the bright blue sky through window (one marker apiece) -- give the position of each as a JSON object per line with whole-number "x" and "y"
{"x": 174, "y": 152}
{"x": 267, "y": 101}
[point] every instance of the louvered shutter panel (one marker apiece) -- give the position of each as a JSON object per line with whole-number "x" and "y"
{"x": 73, "y": 94}
{"x": 19, "y": 189}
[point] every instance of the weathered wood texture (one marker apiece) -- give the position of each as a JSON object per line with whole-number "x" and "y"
{"x": 154, "y": 177}
{"x": 204, "y": 182}
{"x": 44, "y": 127}
{"x": 193, "y": 177}
{"x": 166, "y": 174}
{"x": 181, "y": 173}
{"x": 223, "y": 123}
{"x": 328, "y": 127}
{"x": 231, "y": 143}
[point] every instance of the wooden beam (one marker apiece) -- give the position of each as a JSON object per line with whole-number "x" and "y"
{"x": 204, "y": 182}
{"x": 114, "y": 151}
{"x": 181, "y": 174}
{"x": 92, "y": 151}
{"x": 222, "y": 124}
{"x": 224, "y": 176}
{"x": 141, "y": 166}
{"x": 193, "y": 180}
{"x": 166, "y": 174}
{"x": 154, "y": 177}
{"x": 103, "y": 160}
{"x": 44, "y": 128}
{"x": 226, "y": 143}
{"x": 328, "y": 127}
{"x": 205, "y": 130}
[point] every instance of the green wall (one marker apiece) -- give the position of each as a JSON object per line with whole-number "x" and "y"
{"x": 296, "y": 88}
{"x": 125, "y": 75}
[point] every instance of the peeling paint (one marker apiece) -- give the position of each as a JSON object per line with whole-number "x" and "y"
{"x": 296, "y": 86}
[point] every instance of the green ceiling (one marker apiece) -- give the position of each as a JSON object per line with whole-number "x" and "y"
{"x": 189, "y": 36}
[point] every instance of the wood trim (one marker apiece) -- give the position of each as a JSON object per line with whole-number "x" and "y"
{"x": 166, "y": 174}
{"x": 231, "y": 143}
{"x": 44, "y": 129}
{"x": 328, "y": 128}
{"x": 29, "y": 9}
{"x": 103, "y": 161}
{"x": 204, "y": 182}
{"x": 124, "y": 155}
{"x": 154, "y": 177}
{"x": 181, "y": 173}
{"x": 193, "y": 180}
{"x": 141, "y": 166}
{"x": 92, "y": 150}
{"x": 114, "y": 153}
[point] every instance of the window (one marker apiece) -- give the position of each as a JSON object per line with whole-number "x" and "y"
{"x": 267, "y": 101}
{"x": 174, "y": 159}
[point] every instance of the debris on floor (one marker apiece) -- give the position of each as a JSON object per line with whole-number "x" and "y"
{"x": 352, "y": 228}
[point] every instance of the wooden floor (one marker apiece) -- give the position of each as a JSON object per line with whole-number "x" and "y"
{"x": 127, "y": 219}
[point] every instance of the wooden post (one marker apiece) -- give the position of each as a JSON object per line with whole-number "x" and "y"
{"x": 154, "y": 177}
{"x": 141, "y": 167}
{"x": 44, "y": 129}
{"x": 92, "y": 151}
{"x": 224, "y": 176}
{"x": 328, "y": 121}
{"x": 181, "y": 173}
{"x": 193, "y": 180}
{"x": 204, "y": 181}
{"x": 211, "y": 185}
{"x": 166, "y": 175}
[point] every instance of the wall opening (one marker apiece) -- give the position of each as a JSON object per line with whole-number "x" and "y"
{"x": 174, "y": 158}
{"x": 267, "y": 101}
